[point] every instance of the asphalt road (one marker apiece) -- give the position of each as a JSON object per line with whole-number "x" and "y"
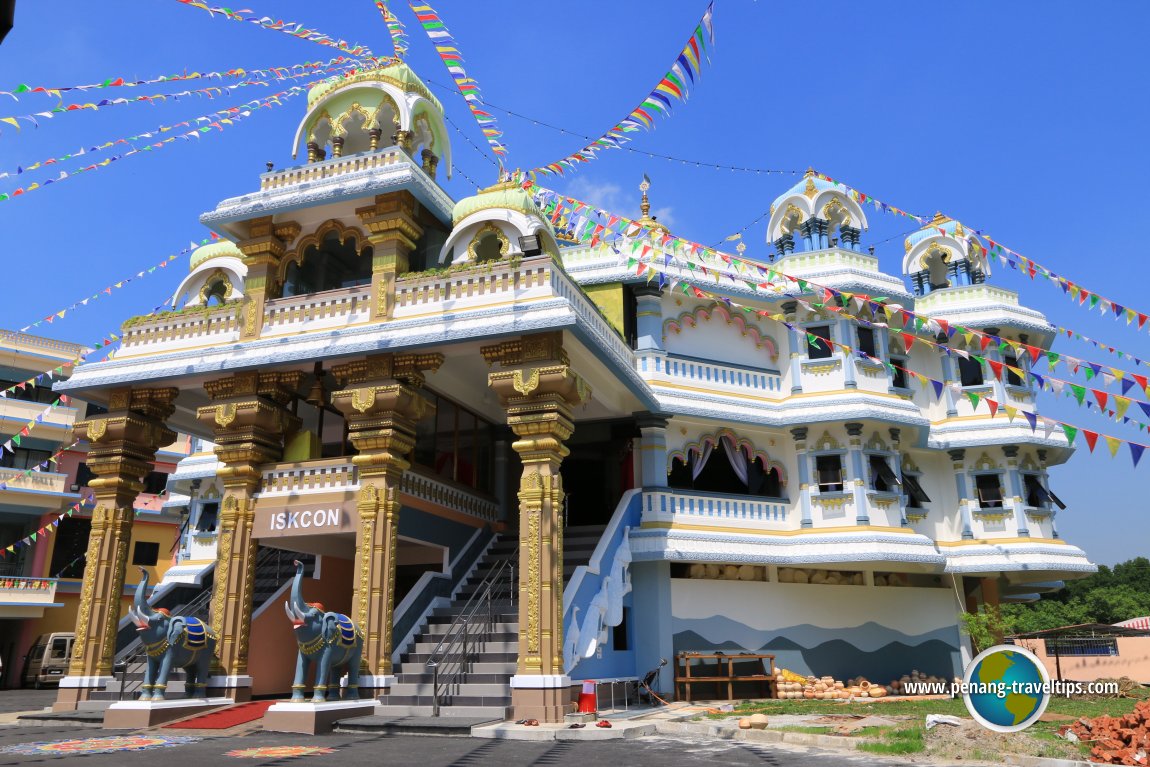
{"x": 428, "y": 752}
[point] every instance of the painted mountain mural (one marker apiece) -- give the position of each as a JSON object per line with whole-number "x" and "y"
{"x": 877, "y": 652}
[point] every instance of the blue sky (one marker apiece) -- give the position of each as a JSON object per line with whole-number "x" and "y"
{"x": 1020, "y": 119}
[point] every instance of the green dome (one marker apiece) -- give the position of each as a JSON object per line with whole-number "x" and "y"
{"x": 503, "y": 196}
{"x": 399, "y": 74}
{"x": 223, "y": 248}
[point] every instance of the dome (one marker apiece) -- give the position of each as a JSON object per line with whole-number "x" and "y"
{"x": 373, "y": 110}
{"x": 223, "y": 248}
{"x": 816, "y": 198}
{"x": 948, "y": 226}
{"x": 487, "y": 226}
{"x": 505, "y": 196}
{"x": 949, "y": 238}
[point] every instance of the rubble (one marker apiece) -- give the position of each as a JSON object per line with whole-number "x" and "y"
{"x": 1115, "y": 739}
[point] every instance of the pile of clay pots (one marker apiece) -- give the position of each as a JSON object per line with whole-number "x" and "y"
{"x": 916, "y": 676}
{"x": 828, "y": 688}
{"x": 825, "y": 577}
{"x": 728, "y": 572}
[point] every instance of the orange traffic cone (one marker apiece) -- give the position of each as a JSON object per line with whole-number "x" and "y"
{"x": 587, "y": 699}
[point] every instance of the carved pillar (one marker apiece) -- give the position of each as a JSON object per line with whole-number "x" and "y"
{"x": 336, "y": 146}
{"x": 649, "y": 318}
{"x": 799, "y": 433}
{"x": 538, "y": 388}
{"x": 392, "y": 231}
{"x": 1018, "y": 495}
{"x": 958, "y": 463}
{"x": 249, "y": 422}
{"x": 382, "y": 405}
{"x": 856, "y": 473}
{"x": 265, "y": 245}
{"x": 653, "y": 448}
{"x": 798, "y": 344}
{"x": 122, "y": 444}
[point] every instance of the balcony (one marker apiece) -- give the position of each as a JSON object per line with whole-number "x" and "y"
{"x": 329, "y": 310}
{"x": 716, "y": 379}
{"x": 184, "y": 329}
{"x": 16, "y": 413}
{"x": 36, "y": 492}
{"x": 665, "y": 508}
{"x": 26, "y": 597}
{"x": 335, "y": 481}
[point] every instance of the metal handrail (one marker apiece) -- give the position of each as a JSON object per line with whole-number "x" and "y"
{"x": 452, "y": 655}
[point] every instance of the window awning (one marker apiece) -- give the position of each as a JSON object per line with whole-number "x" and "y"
{"x": 914, "y": 489}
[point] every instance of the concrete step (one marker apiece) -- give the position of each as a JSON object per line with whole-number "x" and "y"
{"x": 454, "y": 701}
{"x": 473, "y": 677}
{"x": 497, "y": 712}
{"x": 449, "y": 723}
{"x": 479, "y": 646}
{"x": 466, "y": 689}
{"x": 506, "y": 669}
{"x": 504, "y": 613}
{"x": 439, "y": 629}
{"x": 482, "y": 658}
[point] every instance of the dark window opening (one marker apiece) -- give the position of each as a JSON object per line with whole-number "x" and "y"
{"x": 69, "y": 553}
{"x": 331, "y": 265}
{"x": 456, "y": 444}
{"x": 209, "y": 514}
{"x": 155, "y": 482}
{"x": 29, "y": 393}
{"x": 1037, "y": 495}
{"x": 989, "y": 491}
{"x": 829, "y": 472}
{"x": 867, "y": 342}
{"x": 763, "y": 481}
{"x": 217, "y": 293}
{"x": 970, "y": 371}
{"x": 94, "y": 409}
{"x": 84, "y": 475}
{"x": 630, "y": 317}
{"x": 819, "y": 348}
{"x": 898, "y": 375}
{"x": 146, "y": 553}
{"x": 883, "y": 478}
{"x": 1012, "y": 378}
{"x": 916, "y": 496}
{"x": 619, "y": 639}
{"x": 24, "y": 458}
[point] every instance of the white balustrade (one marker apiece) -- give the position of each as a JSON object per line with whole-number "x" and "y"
{"x": 687, "y": 508}
{"x": 179, "y": 330}
{"x": 712, "y": 376}
{"x": 329, "y": 310}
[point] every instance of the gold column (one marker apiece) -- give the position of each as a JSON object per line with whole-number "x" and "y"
{"x": 249, "y": 423}
{"x": 382, "y": 405}
{"x": 392, "y": 230}
{"x": 263, "y": 249}
{"x": 538, "y": 392}
{"x": 121, "y": 447}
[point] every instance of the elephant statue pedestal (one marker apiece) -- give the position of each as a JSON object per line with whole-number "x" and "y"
{"x": 138, "y": 714}
{"x": 311, "y": 718}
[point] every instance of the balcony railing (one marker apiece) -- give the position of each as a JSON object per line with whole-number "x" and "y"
{"x": 340, "y": 474}
{"x": 37, "y": 481}
{"x": 694, "y": 508}
{"x": 27, "y": 591}
{"x": 329, "y": 310}
{"x": 182, "y": 329}
{"x": 712, "y": 376}
{"x": 337, "y": 166}
{"x": 21, "y": 411}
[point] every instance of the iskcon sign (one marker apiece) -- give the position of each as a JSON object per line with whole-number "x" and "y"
{"x": 289, "y": 520}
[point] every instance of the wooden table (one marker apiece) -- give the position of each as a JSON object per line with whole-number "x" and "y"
{"x": 683, "y": 675}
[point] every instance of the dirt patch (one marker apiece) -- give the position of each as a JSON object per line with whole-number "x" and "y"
{"x": 971, "y": 741}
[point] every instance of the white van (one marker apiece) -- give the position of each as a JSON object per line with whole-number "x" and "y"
{"x": 47, "y": 661}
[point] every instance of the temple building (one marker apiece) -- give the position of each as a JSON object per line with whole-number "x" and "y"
{"x": 432, "y": 402}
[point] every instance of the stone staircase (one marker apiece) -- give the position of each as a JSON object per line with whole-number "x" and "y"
{"x": 483, "y": 689}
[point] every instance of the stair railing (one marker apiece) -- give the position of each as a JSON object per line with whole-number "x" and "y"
{"x": 452, "y": 657}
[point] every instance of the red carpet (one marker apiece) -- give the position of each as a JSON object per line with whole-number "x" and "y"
{"x": 241, "y": 713}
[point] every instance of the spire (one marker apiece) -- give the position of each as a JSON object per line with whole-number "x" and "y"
{"x": 645, "y": 208}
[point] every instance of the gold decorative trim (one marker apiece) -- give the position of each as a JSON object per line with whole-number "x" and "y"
{"x": 488, "y": 228}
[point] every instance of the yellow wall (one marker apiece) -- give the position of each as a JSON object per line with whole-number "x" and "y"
{"x": 609, "y": 299}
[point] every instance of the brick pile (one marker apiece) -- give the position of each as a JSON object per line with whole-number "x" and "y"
{"x": 1116, "y": 739}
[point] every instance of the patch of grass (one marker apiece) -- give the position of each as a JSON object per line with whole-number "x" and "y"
{"x": 906, "y": 740}
{"x": 810, "y": 730}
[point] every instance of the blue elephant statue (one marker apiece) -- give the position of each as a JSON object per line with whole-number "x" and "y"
{"x": 171, "y": 642}
{"x": 329, "y": 639}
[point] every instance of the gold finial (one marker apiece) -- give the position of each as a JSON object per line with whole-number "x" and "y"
{"x": 741, "y": 248}
{"x": 810, "y": 172}
{"x": 939, "y": 218}
{"x": 645, "y": 207}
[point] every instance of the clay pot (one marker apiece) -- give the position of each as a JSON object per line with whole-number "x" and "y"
{"x": 786, "y": 575}
{"x": 801, "y": 576}
{"x": 809, "y": 692}
{"x": 863, "y": 684}
{"x": 713, "y": 571}
{"x": 697, "y": 570}
{"x": 748, "y": 573}
{"x": 854, "y": 690}
{"x": 744, "y": 724}
{"x": 877, "y": 691}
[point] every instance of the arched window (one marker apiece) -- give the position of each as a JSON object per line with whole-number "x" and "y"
{"x": 216, "y": 292}
{"x": 332, "y": 264}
